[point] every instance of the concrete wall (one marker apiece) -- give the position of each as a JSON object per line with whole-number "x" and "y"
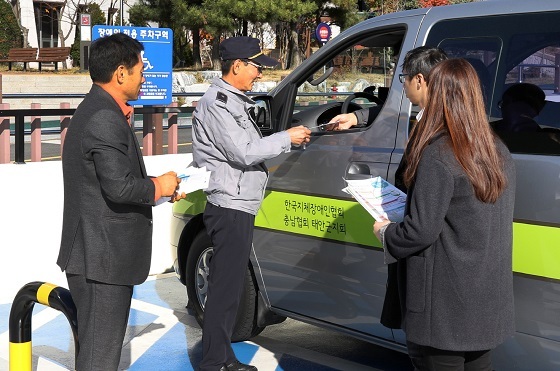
{"x": 31, "y": 222}
{"x": 34, "y": 83}
{"x": 22, "y": 83}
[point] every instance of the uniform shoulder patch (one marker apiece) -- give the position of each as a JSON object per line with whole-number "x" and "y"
{"x": 221, "y": 97}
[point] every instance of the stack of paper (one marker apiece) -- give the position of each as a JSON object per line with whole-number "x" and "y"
{"x": 380, "y": 198}
{"x": 193, "y": 179}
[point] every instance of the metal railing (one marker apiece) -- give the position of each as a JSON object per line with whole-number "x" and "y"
{"x": 152, "y": 127}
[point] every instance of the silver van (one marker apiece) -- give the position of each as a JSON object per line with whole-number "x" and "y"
{"x": 315, "y": 258}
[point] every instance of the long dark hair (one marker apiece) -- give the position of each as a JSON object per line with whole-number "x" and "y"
{"x": 456, "y": 107}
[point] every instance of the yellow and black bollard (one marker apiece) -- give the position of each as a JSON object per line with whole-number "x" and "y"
{"x": 21, "y": 312}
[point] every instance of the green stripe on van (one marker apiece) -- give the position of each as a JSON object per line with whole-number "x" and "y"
{"x": 193, "y": 204}
{"x": 536, "y": 250}
{"x": 320, "y": 217}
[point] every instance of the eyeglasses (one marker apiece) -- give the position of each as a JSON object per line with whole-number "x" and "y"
{"x": 257, "y": 66}
{"x": 402, "y": 77}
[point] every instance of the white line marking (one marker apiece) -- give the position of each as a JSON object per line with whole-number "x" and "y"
{"x": 44, "y": 364}
{"x": 152, "y": 333}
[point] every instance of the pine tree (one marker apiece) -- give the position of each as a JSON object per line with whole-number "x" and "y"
{"x": 10, "y": 33}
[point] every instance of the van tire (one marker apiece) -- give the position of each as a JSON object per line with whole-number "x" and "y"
{"x": 197, "y": 273}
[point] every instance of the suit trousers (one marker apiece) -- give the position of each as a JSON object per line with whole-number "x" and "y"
{"x": 432, "y": 359}
{"x": 103, "y": 311}
{"x": 231, "y": 233}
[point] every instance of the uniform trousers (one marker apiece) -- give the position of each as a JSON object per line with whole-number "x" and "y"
{"x": 103, "y": 311}
{"x": 231, "y": 233}
{"x": 426, "y": 358}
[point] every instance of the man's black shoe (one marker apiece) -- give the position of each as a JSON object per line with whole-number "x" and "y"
{"x": 238, "y": 366}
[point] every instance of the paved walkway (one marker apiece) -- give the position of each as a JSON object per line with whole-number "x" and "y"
{"x": 163, "y": 335}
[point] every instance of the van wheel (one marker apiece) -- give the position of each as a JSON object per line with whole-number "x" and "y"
{"x": 197, "y": 275}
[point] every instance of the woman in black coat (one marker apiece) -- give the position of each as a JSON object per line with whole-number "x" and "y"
{"x": 456, "y": 237}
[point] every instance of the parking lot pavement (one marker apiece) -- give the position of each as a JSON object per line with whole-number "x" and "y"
{"x": 163, "y": 335}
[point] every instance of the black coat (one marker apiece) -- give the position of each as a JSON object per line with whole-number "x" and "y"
{"x": 457, "y": 287}
{"x": 107, "y": 218}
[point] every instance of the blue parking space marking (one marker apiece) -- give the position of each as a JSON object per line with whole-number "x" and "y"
{"x": 140, "y": 318}
{"x": 174, "y": 346}
{"x": 63, "y": 338}
{"x": 245, "y": 351}
{"x": 5, "y": 315}
{"x": 147, "y": 292}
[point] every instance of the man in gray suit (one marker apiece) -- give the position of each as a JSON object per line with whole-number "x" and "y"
{"x": 107, "y": 222}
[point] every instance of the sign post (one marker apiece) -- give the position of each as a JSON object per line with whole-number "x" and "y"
{"x": 85, "y": 40}
{"x": 323, "y": 34}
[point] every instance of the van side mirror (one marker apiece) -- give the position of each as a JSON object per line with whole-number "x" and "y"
{"x": 329, "y": 70}
{"x": 262, "y": 113}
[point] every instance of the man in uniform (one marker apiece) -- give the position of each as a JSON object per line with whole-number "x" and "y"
{"x": 227, "y": 141}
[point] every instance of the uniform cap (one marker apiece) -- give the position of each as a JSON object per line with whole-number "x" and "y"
{"x": 245, "y": 47}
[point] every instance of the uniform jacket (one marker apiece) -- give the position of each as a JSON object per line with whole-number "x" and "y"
{"x": 227, "y": 141}
{"x": 457, "y": 287}
{"x": 107, "y": 218}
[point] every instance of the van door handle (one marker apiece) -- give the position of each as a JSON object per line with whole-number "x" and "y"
{"x": 356, "y": 171}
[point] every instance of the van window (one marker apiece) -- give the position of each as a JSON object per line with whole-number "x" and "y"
{"x": 533, "y": 58}
{"x": 481, "y": 52}
{"x": 366, "y": 65}
{"x": 512, "y": 55}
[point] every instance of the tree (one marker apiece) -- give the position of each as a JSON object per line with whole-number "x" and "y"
{"x": 11, "y": 35}
{"x": 292, "y": 21}
{"x": 220, "y": 18}
{"x": 291, "y": 18}
{"x": 189, "y": 17}
{"x": 184, "y": 17}
{"x": 97, "y": 17}
{"x": 17, "y": 14}
{"x": 390, "y": 6}
{"x": 430, "y": 3}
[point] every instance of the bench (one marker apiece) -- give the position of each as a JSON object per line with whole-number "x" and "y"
{"x": 53, "y": 55}
{"x": 24, "y": 55}
{"x": 370, "y": 63}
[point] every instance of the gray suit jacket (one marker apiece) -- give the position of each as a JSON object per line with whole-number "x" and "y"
{"x": 107, "y": 220}
{"x": 458, "y": 284}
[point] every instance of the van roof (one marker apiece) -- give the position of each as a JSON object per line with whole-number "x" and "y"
{"x": 478, "y": 8}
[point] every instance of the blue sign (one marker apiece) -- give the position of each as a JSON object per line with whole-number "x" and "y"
{"x": 323, "y": 32}
{"x": 157, "y": 57}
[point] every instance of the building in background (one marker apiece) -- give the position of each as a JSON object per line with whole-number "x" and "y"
{"x": 53, "y": 23}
